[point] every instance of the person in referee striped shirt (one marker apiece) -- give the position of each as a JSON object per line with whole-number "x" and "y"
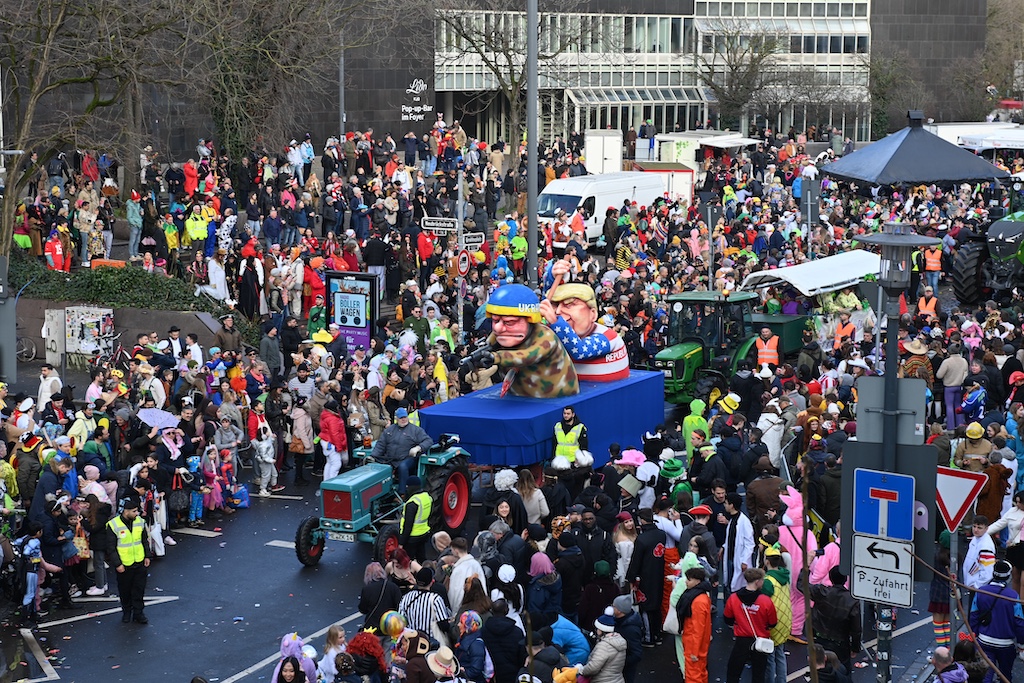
{"x": 423, "y": 607}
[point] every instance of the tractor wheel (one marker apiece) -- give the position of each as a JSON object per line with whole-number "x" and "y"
{"x": 968, "y": 279}
{"x": 710, "y": 388}
{"x": 308, "y": 549}
{"x": 451, "y": 488}
{"x": 385, "y": 543}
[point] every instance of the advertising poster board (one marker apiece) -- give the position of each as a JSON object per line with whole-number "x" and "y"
{"x": 352, "y": 304}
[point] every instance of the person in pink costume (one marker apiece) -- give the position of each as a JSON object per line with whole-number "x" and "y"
{"x": 791, "y": 537}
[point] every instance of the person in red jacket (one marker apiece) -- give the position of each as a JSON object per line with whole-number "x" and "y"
{"x": 751, "y": 615}
{"x": 333, "y": 439}
{"x": 56, "y": 259}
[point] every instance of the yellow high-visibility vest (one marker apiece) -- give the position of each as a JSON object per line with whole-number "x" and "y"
{"x": 567, "y": 444}
{"x": 420, "y": 525}
{"x": 129, "y": 540}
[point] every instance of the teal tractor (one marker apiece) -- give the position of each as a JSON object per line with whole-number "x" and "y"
{"x": 363, "y": 504}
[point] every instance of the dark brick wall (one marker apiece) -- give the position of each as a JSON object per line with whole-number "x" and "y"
{"x": 932, "y": 33}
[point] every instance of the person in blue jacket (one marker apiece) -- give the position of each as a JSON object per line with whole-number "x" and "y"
{"x": 998, "y": 622}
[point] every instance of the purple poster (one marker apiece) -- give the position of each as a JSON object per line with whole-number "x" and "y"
{"x": 353, "y": 305}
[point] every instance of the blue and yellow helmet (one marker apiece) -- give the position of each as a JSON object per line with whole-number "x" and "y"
{"x": 514, "y": 299}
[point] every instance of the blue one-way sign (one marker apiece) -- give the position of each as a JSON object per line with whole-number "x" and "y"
{"x": 883, "y": 504}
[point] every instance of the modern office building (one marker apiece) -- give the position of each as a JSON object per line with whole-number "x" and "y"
{"x": 646, "y": 64}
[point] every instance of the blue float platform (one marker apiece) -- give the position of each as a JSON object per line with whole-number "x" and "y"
{"x": 518, "y": 431}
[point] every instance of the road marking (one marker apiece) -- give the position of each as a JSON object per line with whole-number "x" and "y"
{"x": 37, "y": 652}
{"x": 198, "y": 532}
{"x": 281, "y": 496}
{"x": 92, "y": 615}
{"x": 98, "y": 598}
{"x": 794, "y": 675}
{"x": 290, "y": 545}
{"x": 277, "y": 655}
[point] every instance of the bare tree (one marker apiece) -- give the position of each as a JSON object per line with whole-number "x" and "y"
{"x": 894, "y": 86}
{"x": 493, "y": 33}
{"x": 67, "y": 64}
{"x": 737, "y": 60}
{"x": 257, "y": 67}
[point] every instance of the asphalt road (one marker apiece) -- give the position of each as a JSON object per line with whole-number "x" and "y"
{"x": 219, "y": 604}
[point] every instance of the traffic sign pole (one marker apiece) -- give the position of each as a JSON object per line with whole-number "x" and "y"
{"x": 458, "y": 231}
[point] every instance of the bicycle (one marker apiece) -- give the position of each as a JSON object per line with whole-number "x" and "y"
{"x": 118, "y": 357}
{"x": 24, "y": 348}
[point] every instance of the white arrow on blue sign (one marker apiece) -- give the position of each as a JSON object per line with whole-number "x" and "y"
{"x": 883, "y": 504}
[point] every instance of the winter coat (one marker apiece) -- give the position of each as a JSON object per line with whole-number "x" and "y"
{"x": 544, "y": 664}
{"x": 332, "y": 430}
{"x": 647, "y": 566}
{"x": 504, "y": 643}
{"x": 836, "y": 616}
{"x": 631, "y": 627}
{"x": 544, "y": 594}
{"x": 831, "y": 487}
{"x": 472, "y": 655}
{"x": 1005, "y": 617}
{"x": 570, "y": 565}
{"x": 568, "y": 638}
{"x": 607, "y": 660}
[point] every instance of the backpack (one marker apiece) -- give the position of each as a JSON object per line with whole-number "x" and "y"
{"x": 13, "y": 575}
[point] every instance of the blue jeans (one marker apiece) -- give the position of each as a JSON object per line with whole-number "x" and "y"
{"x": 289, "y": 236}
{"x": 931, "y": 279}
{"x": 254, "y": 228}
{"x": 57, "y": 180}
{"x": 406, "y": 468}
{"x": 134, "y": 235}
{"x": 776, "y": 670}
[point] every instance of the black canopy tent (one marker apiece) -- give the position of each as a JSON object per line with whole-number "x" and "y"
{"x": 913, "y": 156}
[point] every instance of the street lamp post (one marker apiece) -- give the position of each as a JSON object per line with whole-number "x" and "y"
{"x": 898, "y": 242}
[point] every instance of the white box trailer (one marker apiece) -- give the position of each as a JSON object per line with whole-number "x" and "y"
{"x": 602, "y": 151}
{"x": 678, "y": 179}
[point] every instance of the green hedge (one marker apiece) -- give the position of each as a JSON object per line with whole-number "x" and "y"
{"x": 129, "y": 287}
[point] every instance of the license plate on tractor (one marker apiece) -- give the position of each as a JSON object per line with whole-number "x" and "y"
{"x": 341, "y": 536}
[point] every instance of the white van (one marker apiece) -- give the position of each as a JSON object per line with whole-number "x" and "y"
{"x": 595, "y": 194}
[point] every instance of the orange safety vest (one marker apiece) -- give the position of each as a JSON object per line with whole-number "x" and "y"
{"x": 927, "y": 305}
{"x": 846, "y": 330}
{"x": 933, "y": 259}
{"x": 767, "y": 351}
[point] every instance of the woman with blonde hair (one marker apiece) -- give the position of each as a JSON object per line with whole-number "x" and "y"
{"x": 533, "y": 498}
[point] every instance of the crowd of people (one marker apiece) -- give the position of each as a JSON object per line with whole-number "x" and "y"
{"x": 701, "y": 517}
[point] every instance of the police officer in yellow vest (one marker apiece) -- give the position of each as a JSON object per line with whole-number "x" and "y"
{"x": 414, "y": 529}
{"x": 127, "y": 534}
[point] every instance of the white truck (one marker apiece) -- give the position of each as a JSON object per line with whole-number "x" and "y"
{"x": 594, "y": 194}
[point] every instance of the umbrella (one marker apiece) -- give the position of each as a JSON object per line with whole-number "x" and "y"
{"x": 158, "y": 419}
{"x": 915, "y": 157}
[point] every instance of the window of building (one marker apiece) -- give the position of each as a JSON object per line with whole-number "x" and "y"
{"x": 819, "y": 9}
{"x": 739, "y": 9}
{"x": 846, "y": 9}
{"x": 832, "y": 9}
{"x": 766, "y": 8}
{"x": 808, "y": 45}
{"x": 702, "y": 9}
{"x": 805, "y": 10}
{"x": 791, "y": 10}
{"x": 860, "y": 9}
{"x": 849, "y": 45}
{"x": 835, "y": 44}
{"x": 821, "y": 45}
{"x": 726, "y": 9}
{"x": 796, "y": 44}
{"x": 714, "y": 9}
{"x": 862, "y": 44}
{"x": 675, "y": 44}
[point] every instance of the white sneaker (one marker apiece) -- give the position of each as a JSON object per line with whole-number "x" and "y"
{"x": 76, "y": 593}
{"x": 264, "y": 493}
{"x": 168, "y": 540}
{"x": 96, "y": 590}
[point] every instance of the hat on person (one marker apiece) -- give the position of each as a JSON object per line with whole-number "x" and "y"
{"x": 1001, "y": 570}
{"x": 916, "y": 347}
{"x": 567, "y": 541}
{"x": 975, "y": 430}
{"x": 578, "y": 509}
{"x": 26, "y": 405}
{"x": 763, "y": 464}
{"x": 506, "y": 573}
{"x": 630, "y": 485}
{"x": 424, "y": 576}
{"x": 605, "y": 623}
{"x": 672, "y": 468}
{"x": 146, "y": 369}
{"x": 729, "y": 403}
{"x": 700, "y": 511}
{"x": 623, "y": 603}
{"x": 602, "y": 568}
{"x": 443, "y": 663}
{"x": 400, "y": 413}
{"x": 515, "y": 299}
{"x": 56, "y": 396}
{"x": 631, "y": 457}
{"x": 174, "y": 328}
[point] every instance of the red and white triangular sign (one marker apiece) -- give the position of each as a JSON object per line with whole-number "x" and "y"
{"x": 955, "y": 493}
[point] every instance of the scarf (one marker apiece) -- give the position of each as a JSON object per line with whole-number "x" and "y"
{"x": 684, "y": 608}
{"x": 173, "y": 446}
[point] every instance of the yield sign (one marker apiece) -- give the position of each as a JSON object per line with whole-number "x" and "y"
{"x": 955, "y": 493}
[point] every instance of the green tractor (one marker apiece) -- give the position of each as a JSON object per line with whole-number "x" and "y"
{"x": 363, "y": 504}
{"x": 990, "y": 265}
{"x": 709, "y": 334}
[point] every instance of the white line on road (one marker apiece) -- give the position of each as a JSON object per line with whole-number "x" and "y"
{"x": 281, "y": 496}
{"x": 198, "y": 532}
{"x": 37, "y": 652}
{"x": 92, "y": 615}
{"x": 277, "y": 655}
{"x": 794, "y": 675}
{"x": 281, "y": 544}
